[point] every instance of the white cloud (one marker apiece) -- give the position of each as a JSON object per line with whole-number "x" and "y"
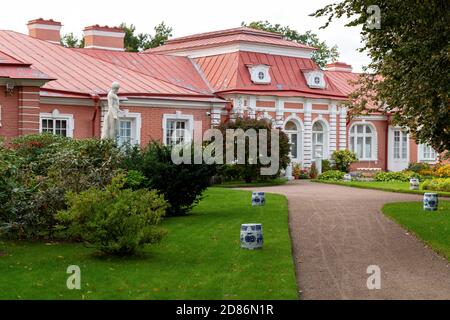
{"x": 186, "y": 17}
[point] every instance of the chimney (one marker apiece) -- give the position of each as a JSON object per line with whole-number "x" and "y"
{"x": 47, "y": 30}
{"x": 339, "y": 66}
{"x": 104, "y": 37}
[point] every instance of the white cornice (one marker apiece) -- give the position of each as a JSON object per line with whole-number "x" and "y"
{"x": 105, "y": 48}
{"x": 100, "y": 33}
{"x": 243, "y": 46}
{"x": 44, "y": 26}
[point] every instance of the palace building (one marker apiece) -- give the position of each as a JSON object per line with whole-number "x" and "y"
{"x": 208, "y": 77}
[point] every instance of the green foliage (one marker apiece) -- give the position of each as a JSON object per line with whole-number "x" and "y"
{"x": 332, "y": 175}
{"x": 250, "y": 172}
{"x": 38, "y": 170}
{"x": 326, "y": 165}
{"x": 443, "y": 171}
{"x": 343, "y": 159}
{"x": 442, "y": 184}
{"x": 410, "y": 65}
{"x": 418, "y": 166}
{"x": 69, "y": 40}
{"x": 404, "y": 176}
{"x": 143, "y": 41}
{"x": 313, "y": 172}
{"x": 116, "y": 220}
{"x": 321, "y": 56}
{"x": 182, "y": 185}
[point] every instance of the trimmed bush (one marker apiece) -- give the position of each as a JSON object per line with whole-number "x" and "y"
{"x": 443, "y": 171}
{"x": 326, "y": 165}
{"x": 182, "y": 185}
{"x": 332, "y": 175}
{"x": 343, "y": 159}
{"x": 419, "y": 166}
{"x": 442, "y": 184}
{"x": 403, "y": 176}
{"x": 115, "y": 221}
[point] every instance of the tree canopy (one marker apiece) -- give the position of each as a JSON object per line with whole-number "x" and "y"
{"x": 143, "y": 41}
{"x": 322, "y": 56}
{"x": 410, "y": 53}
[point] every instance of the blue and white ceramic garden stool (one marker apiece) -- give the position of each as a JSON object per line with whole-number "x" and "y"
{"x": 252, "y": 236}
{"x": 258, "y": 199}
{"x": 430, "y": 202}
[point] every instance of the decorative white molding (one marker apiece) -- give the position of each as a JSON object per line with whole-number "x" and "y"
{"x": 252, "y": 107}
{"x": 279, "y": 113}
{"x": 178, "y": 116}
{"x": 342, "y": 128}
{"x": 315, "y": 79}
{"x": 259, "y": 74}
{"x": 307, "y": 149}
{"x": 101, "y": 33}
{"x": 333, "y": 127}
{"x": 45, "y": 26}
{"x": 374, "y": 139}
{"x": 56, "y": 115}
{"x": 104, "y": 48}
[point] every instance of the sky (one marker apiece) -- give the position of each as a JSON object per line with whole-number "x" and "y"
{"x": 186, "y": 17}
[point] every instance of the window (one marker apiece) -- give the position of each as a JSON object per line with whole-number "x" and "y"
{"x": 400, "y": 144}
{"x": 318, "y": 140}
{"x": 56, "y": 123}
{"x": 259, "y": 74}
{"x": 175, "y": 133}
{"x": 125, "y": 135}
{"x": 427, "y": 153}
{"x": 293, "y": 134}
{"x": 362, "y": 141}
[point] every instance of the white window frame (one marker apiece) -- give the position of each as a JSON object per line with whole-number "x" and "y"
{"x": 255, "y": 70}
{"x": 300, "y": 133}
{"x": 135, "y": 119}
{"x": 178, "y": 116}
{"x": 56, "y": 115}
{"x": 326, "y": 137}
{"x": 422, "y": 158}
{"x": 364, "y": 135}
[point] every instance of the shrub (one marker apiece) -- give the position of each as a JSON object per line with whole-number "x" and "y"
{"x": 182, "y": 185}
{"x": 250, "y": 172}
{"x": 440, "y": 184}
{"x": 332, "y": 175}
{"x": 404, "y": 176}
{"x": 326, "y": 165}
{"x": 418, "y": 166}
{"x": 38, "y": 170}
{"x": 343, "y": 159}
{"x": 115, "y": 220}
{"x": 443, "y": 171}
{"x": 313, "y": 172}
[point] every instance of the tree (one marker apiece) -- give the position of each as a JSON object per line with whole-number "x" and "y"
{"x": 322, "y": 56}
{"x": 409, "y": 45}
{"x": 143, "y": 41}
{"x": 69, "y": 40}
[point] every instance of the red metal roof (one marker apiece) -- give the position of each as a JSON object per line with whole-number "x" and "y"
{"x": 229, "y": 72}
{"x": 342, "y": 80}
{"x": 215, "y": 38}
{"x": 180, "y": 71}
{"x": 79, "y": 73}
{"x": 16, "y": 69}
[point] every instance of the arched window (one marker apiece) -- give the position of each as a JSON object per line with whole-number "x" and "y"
{"x": 292, "y": 130}
{"x": 362, "y": 141}
{"x": 318, "y": 140}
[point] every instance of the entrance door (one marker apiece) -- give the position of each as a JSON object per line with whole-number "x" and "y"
{"x": 398, "y": 149}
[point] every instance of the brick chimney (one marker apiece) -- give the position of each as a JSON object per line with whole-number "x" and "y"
{"x": 47, "y": 30}
{"x": 104, "y": 37}
{"x": 339, "y": 66}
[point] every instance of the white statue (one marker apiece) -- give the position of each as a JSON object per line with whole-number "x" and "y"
{"x": 111, "y": 118}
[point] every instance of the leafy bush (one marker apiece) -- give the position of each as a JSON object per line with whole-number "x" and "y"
{"x": 326, "y": 165}
{"x": 250, "y": 172}
{"x": 343, "y": 159}
{"x": 37, "y": 171}
{"x": 404, "y": 176}
{"x": 115, "y": 220}
{"x": 332, "y": 175}
{"x": 418, "y": 166}
{"x": 443, "y": 171}
{"x": 181, "y": 185}
{"x": 442, "y": 184}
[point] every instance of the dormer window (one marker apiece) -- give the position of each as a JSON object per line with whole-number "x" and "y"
{"x": 259, "y": 73}
{"x": 315, "y": 79}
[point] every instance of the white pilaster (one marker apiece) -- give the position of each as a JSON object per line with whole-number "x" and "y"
{"x": 307, "y": 148}
{"x": 333, "y": 128}
{"x": 252, "y": 107}
{"x": 216, "y": 112}
{"x": 279, "y": 113}
{"x": 342, "y": 128}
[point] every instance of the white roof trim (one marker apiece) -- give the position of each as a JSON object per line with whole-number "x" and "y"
{"x": 104, "y": 33}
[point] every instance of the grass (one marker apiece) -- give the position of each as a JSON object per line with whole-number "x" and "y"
{"x": 200, "y": 258}
{"x": 243, "y": 184}
{"x": 392, "y": 186}
{"x": 432, "y": 227}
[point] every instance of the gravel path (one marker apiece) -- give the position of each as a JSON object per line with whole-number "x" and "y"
{"x": 337, "y": 232}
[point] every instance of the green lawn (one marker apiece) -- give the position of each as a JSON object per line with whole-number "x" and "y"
{"x": 393, "y": 186}
{"x": 432, "y": 227}
{"x": 200, "y": 258}
{"x": 243, "y": 184}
